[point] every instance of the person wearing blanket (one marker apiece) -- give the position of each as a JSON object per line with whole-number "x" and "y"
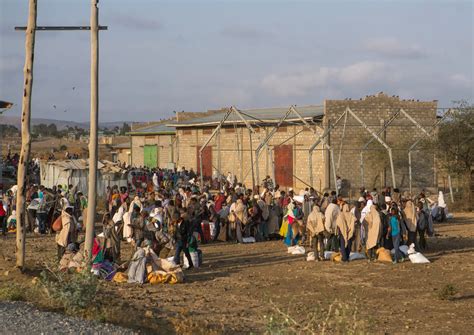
{"x": 345, "y": 230}
{"x": 315, "y": 227}
{"x": 373, "y": 223}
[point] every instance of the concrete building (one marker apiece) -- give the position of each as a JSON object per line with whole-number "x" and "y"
{"x": 122, "y": 153}
{"x": 153, "y": 146}
{"x": 286, "y": 156}
{"x": 362, "y": 134}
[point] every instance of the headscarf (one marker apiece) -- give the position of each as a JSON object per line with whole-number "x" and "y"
{"x": 315, "y": 221}
{"x": 374, "y": 225}
{"x": 345, "y": 222}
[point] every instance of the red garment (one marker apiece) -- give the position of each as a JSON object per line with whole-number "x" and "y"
{"x": 219, "y": 202}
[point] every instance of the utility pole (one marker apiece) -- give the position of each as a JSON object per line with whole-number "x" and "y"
{"x": 26, "y": 113}
{"x": 93, "y": 156}
{"x": 25, "y": 135}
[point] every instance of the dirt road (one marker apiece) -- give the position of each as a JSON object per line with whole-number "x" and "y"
{"x": 260, "y": 287}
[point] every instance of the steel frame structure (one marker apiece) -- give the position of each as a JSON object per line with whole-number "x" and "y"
{"x": 323, "y": 138}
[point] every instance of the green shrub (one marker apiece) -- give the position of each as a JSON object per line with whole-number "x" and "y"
{"x": 12, "y": 293}
{"x": 71, "y": 291}
{"x": 337, "y": 318}
{"x": 447, "y": 292}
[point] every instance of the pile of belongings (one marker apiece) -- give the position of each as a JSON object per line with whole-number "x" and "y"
{"x": 146, "y": 266}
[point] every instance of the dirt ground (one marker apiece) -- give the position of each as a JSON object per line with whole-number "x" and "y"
{"x": 260, "y": 288}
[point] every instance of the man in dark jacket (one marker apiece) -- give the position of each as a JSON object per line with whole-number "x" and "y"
{"x": 181, "y": 234}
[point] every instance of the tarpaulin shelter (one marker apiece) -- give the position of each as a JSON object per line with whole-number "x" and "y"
{"x": 76, "y": 172}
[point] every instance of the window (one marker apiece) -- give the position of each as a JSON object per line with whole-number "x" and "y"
{"x": 282, "y": 129}
{"x": 187, "y": 132}
{"x": 207, "y": 131}
{"x": 229, "y": 130}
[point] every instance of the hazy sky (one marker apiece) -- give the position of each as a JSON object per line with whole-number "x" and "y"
{"x": 160, "y": 56}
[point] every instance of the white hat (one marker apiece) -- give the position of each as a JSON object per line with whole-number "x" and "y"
{"x": 388, "y": 199}
{"x": 361, "y": 199}
{"x": 290, "y": 189}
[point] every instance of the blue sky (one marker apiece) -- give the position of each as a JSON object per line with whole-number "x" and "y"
{"x": 161, "y": 56}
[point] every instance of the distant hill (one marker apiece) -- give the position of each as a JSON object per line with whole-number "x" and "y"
{"x": 61, "y": 124}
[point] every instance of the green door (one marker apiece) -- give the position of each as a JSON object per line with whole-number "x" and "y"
{"x": 150, "y": 156}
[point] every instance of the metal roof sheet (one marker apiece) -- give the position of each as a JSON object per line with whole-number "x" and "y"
{"x": 156, "y": 129}
{"x": 265, "y": 115}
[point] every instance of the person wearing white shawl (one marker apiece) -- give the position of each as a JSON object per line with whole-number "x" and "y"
{"x": 127, "y": 230}
{"x": 156, "y": 185}
{"x": 441, "y": 202}
{"x": 315, "y": 228}
{"x": 374, "y": 230}
{"x": 366, "y": 210}
{"x": 331, "y": 213}
{"x": 409, "y": 216}
{"x": 345, "y": 229}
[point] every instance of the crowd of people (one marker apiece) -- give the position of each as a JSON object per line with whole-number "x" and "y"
{"x": 168, "y": 212}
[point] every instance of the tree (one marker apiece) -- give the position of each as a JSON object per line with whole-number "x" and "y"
{"x": 455, "y": 145}
{"x": 125, "y": 129}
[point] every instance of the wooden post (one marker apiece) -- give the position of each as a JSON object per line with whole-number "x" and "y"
{"x": 25, "y": 135}
{"x": 94, "y": 116}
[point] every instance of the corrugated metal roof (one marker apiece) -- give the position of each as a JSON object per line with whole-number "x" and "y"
{"x": 83, "y": 164}
{"x": 156, "y": 129}
{"x": 267, "y": 115}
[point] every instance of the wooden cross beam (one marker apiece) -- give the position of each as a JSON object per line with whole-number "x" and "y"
{"x": 64, "y": 28}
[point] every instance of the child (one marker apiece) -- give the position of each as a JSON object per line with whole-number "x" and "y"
{"x": 394, "y": 232}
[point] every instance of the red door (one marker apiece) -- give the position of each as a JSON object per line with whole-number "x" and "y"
{"x": 206, "y": 161}
{"x": 284, "y": 165}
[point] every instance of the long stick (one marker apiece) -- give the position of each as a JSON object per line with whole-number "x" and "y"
{"x": 25, "y": 135}
{"x": 94, "y": 116}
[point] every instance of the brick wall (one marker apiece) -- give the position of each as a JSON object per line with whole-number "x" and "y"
{"x": 166, "y": 149}
{"x": 374, "y": 111}
{"x": 236, "y": 157}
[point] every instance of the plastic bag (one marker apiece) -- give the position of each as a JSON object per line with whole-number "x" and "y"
{"x": 418, "y": 258}
{"x": 402, "y": 248}
{"x": 328, "y": 254}
{"x": 296, "y": 250}
{"x": 355, "y": 256}
{"x": 248, "y": 239}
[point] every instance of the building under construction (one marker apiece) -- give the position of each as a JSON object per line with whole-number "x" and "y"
{"x": 366, "y": 142}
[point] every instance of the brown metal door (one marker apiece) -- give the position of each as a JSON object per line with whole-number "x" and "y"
{"x": 206, "y": 161}
{"x": 284, "y": 165}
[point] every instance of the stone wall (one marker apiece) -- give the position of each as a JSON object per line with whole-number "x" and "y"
{"x": 374, "y": 111}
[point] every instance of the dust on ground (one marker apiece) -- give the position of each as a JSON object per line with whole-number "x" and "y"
{"x": 242, "y": 288}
